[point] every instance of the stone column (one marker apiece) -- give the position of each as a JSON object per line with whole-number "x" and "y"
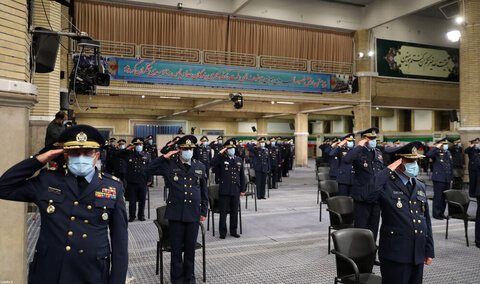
{"x": 262, "y": 127}
{"x": 470, "y": 71}
{"x": 15, "y": 101}
{"x": 301, "y": 139}
{"x": 362, "y": 112}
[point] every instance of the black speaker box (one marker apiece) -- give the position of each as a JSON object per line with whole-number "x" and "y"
{"x": 292, "y": 126}
{"x": 64, "y": 100}
{"x": 453, "y": 116}
{"x": 45, "y": 49}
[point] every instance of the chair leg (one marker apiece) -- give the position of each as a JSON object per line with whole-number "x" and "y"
{"x": 208, "y": 220}
{"x": 446, "y": 229}
{"x": 158, "y": 254}
{"x": 240, "y": 215}
{"x": 148, "y": 204}
{"x": 161, "y": 266}
{"x": 204, "y": 259}
{"x": 246, "y": 202}
{"x": 318, "y": 196}
{"x": 329, "y": 236}
{"x": 466, "y": 231}
{"x": 213, "y": 223}
{"x": 320, "y": 218}
{"x": 255, "y": 196}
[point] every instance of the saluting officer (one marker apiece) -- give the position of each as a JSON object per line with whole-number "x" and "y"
{"x": 476, "y": 193}
{"x": 119, "y": 165}
{"x": 110, "y": 155}
{"x": 137, "y": 178}
{"x": 261, "y": 164}
{"x": 325, "y": 148}
{"x": 345, "y": 170}
{"x": 186, "y": 205}
{"x": 334, "y": 159}
{"x": 292, "y": 154}
{"x": 275, "y": 163}
{"x": 285, "y": 153}
{"x": 203, "y": 153}
{"x": 216, "y": 147}
{"x": 442, "y": 176}
{"x": 472, "y": 151}
{"x": 232, "y": 185}
{"x": 240, "y": 152}
{"x": 366, "y": 160}
{"x": 170, "y": 146}
{"x": 406, "y": 240}
{"x": 150, "y": 147}
{"x": 458, "y": 163}
{"x": 78, "y": 205}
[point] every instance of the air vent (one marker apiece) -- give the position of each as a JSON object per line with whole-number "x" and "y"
{"x": 450, "y": 10}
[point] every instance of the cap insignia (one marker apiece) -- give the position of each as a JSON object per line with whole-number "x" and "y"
{"x": 81, "y": 137}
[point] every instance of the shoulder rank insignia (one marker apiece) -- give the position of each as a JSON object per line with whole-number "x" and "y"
{"x": 115, "y": 178}
{"x": 54, "y": 190}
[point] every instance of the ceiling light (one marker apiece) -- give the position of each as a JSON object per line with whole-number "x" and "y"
{"x": 273, "y": 102}
{"x": 173, "y": 98}
{"x": 361, "y": 54}
{"x": 459, "y": 20}
{"x": 454, "y": 35}
{"x": 371, "y": 53}
{"x": 143, "y": 96}
{"x": 377, "y": 108}
{"x": 286, "y": 103}
{"x": 179, "y": 112}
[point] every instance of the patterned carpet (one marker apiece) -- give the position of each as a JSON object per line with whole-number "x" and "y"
{"x": 283, "y": 242}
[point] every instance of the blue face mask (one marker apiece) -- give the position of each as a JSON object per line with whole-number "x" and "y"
{"x": 273, "y": 143}
{"x": 205, "y": 144}
{"x": 187, "y": 155}
{"x": 372, "y": 144}
{"x": 262, "y": 144}
{"x": 81, "y": 165}
{"x": 411, "y": 169}
{"x": 64, "y": 122}
{"x": 231, "y": 151}
{"x": 350, "y": 144}
{"x": 459, "y": 144}
{"x": 139, "y": 148}
{"x": 112, "y": 144}
{"x": 445, "y": 147}
{"x": 477, "y": 145}
{"x": 150, "y": 142}
{"x": 220, "y": 142}
{"x": 122, "y": 146}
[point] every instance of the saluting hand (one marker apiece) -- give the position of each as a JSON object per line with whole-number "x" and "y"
{"x": 393, "y": 166}
{"x": 130, "y": 147}
{"x": 363, "y": 142}
{"x": 169, "y": 154}
{"x": 223, "y": 150}
{"x": 49, "y": 155}
{"x": 439, "y": 145}
{"x": 427, "y": 260}
{"x": 343, "y": 143}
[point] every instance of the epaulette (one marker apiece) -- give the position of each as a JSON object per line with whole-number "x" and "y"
{"x": 110, "y": 176}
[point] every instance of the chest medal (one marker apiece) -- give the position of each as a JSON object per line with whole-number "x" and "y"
{"x": 399, "y": 204}
{"x": 365, "y": 165}
{"x": 105, "y": 216}
{"x": 175, "y": 178}
{"x": 50, "y": 209}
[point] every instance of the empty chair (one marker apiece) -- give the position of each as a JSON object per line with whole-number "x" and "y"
{"x": 355, "y": 253}
{"x": 163, "y": 243}
{"x": 213, "y": 200}
{"x": 458, "y": 202}
{"x": 251, "y": 188}
{"x": 341, "y": 214}
{"x": 326, "y": 189}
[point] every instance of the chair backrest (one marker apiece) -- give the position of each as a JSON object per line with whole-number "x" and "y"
{"x": 213, "y": 196}
{"x": 357, "y": 244}
{"x": 323, "y": 170}
{"x": 162, "y": 222}
{"x": 323, "y": 176}
{"x": 251, "y": 174}
{"x": 342, "y": 205}
{"x": 328, "y": 188}
{"x": 458, "y": 196}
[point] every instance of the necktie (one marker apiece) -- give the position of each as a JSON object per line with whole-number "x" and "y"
{"x": 82, "y": 183}
{"x": 409, "y": 187}
{"x": 187, "y": 166}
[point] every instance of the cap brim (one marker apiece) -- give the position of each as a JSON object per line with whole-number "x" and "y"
{"x": 79, "y": 145}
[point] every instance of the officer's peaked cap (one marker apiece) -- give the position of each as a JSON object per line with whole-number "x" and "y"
{"x": 81, "y": 136}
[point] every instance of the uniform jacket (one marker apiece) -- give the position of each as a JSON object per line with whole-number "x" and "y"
{"x": 231, "y": 174}
{"x": 275, "y": 156}
{"x": 137, "y": 163}
{"x": 204, "y": 155}
{"x": 442, "y": 165}
{"x": 73, "y": 246}
{"x": 365, "y": 163}
{"x": 345, "y": 170}
{"x": 406, "y": 231}
{"x": 458, "y": 158}
{"x": 334, "y": 161}
{"x": 152, "y": 150}
{"x": 260, "y": 159}
{"x": 119, "y": 165}
{"x": 472, "y": 153}
{"x": 188, "y": 194}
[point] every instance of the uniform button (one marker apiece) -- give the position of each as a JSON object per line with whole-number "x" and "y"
{"x": 70, "y": 233}
{"x": 89, "y": 207}
{"x": 410, "y": 202}
{"x": 80, "y": 251}
{"x": 84, "y": 236}
{"x": 85, "y": 221}
{"x": 191, "y": 193}
{"x": 75, "y": 203}
{"x": 185, "y": 178}
{"x": 416, "y": 211}
{"x": 51, "y": 201}
{"x": 414, "y": 221}
{"x": 391, "y": 233}
{"x": 416, "y": 231}
{"x": 68, "y": 248}
{"x": 414, "y": 202}
{"x": 190, "y": 201}
{"x": 190, "y": 186}
{"x": 421, "y": 231}
{"x": 419, "y": 221}
{"x": 186, "y": 193}
{"x": 185, "y": 185}
{"x": 72, "y": 218}
{"x": 185, "y": 200}
{"x": 190, "y": 178}
{"x": 411, "y": 211}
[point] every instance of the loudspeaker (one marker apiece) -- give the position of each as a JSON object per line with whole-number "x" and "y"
{"x": 70, "y": 114}
{"x": 292, "y": 126}
{"x": 453, "y": 116}
{"x": 45, "y": 49}
{"x": 64, "y": 100}
{"x": 254, "y": 129}
{"x": 310, "y": 128}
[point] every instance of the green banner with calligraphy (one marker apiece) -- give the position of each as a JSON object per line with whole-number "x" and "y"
{"x": 417, "y": 61}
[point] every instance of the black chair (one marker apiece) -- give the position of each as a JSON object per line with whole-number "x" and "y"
{"x": 251, "y": 188}
{"x": 326, "y": 189}
{"x": 355, "y": 253}
{"x": 163, "y": 243}
{"x": 341, "y": 214}
{"x": 458, "y": 202}
{"x": 213, "y": 199}
{"x": 148, "y": 202}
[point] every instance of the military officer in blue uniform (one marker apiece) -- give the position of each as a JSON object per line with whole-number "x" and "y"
{"x": 261, "y": 165}
{"x": 366, "y": 160}
{"x": 275, "y": 163}
{"x": 334, "y": 160}
{"x": 150, "y": 147}
{"x": 187, "y": 205}
{"x": 203, "y": 153}
{"x": 136, "y": 177}
{"x": 442, "y": 176}
{"x": 119, "y": 165}
{"x": 345, "y": 170}
{"x": 110, "y": 155}
{"x": 472, "y": 151}
{"x": 475, "y": 192}
{"x": 406, "y": 241}
{"x": 458, "y": 163}
{"x": 79, "y": 206}
{"x": 231, "y": 174}
{"x": 291, "y": 143}
{"x": 285, "y": 154}
{"x": 216, "y": 147}
{"x": 170, "y": 146}
{"x": 240, "y": 152}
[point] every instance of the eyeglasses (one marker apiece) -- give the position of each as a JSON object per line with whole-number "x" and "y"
{"x": 79, "y": 152}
